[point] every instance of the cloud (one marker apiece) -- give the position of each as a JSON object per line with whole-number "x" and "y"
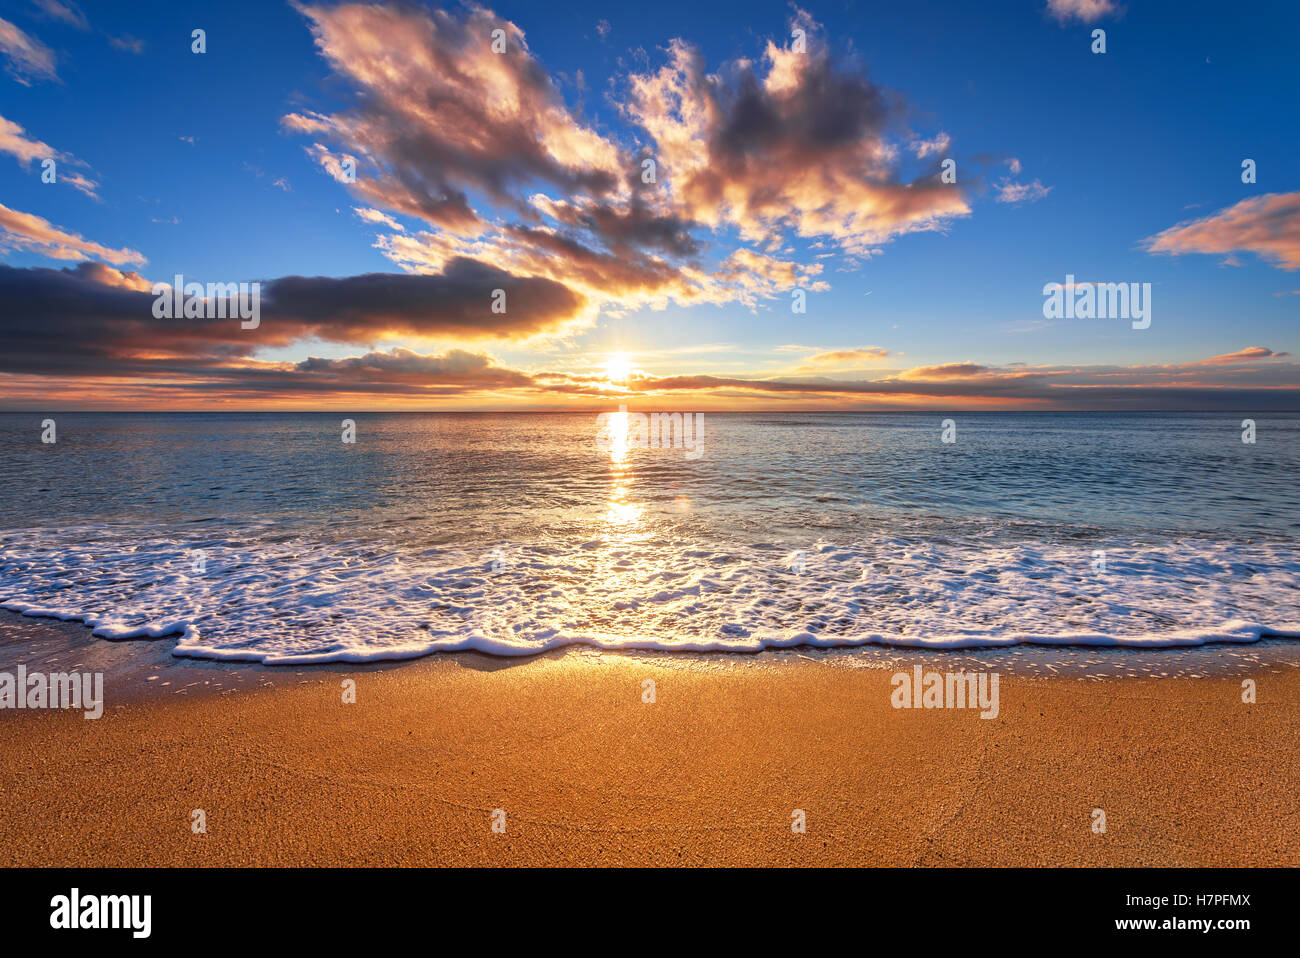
{"x": 846, "y": 357}
{"x": 935, "y": 145}
{"x": 27, "y": 231}
{"x": 70, "y": 331}
{"x": 947, "y": 371}
{"x": 28, "y": 58}
{"x": 127, "y": 44}
{"x": 798, "y": 142}
{"x": 108, "y": 276}
{"x": 378, "y": 217}
{"x": 1200, "y": 386}
{"x": 1249, "y": 354}
{"x": 442, "y": 113}
{"x": 1009, "y": 191}
{"x": 100, "y": 320}
{"x": 1268, "y": 226}
{"x": 14, "y": 141}
{"x": 482, "y": 148}
{"x": 615, "y": 280}
{"x": 82, "y": 184}
{"x": 456, "y": 303}
{"x": 456, "y": 369}
{"x": 65, "y": 11}
{"x": 748, "y": 274}
{"x": 1086, "y": 11}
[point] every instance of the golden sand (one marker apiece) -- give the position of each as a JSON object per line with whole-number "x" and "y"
{"x": 710, "y": 773}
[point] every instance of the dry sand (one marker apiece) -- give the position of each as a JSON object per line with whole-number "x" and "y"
{"x": 587, "y": 773}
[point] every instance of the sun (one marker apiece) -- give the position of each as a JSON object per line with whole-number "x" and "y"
{"x": 617, "y": 368}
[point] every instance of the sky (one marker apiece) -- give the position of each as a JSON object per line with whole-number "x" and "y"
{"x": 671, "y": 206}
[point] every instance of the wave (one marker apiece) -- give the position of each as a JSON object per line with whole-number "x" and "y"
{"x": 299, "y": 599}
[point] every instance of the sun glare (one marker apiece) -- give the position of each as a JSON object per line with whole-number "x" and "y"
{"x": 617, "y": 368}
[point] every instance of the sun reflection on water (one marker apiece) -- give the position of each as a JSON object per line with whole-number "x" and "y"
{"x": 622, "y": 514}
{"x": 616, "y": 437}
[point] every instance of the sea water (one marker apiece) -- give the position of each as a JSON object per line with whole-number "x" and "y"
{"x": 264, "y": 537}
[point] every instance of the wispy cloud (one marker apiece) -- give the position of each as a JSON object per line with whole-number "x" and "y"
{"x": 64, "y": 11}
{"x": 846, "y": 358}
{"x": 27, "y": 59}
{"x": 1250, "y": 354}
{"x": 27, "y": 231}
{"x": 1086, "y": 11}
{"x": 15, "y": 141}
{"x": 379, "y": 218}
{"x": 1268, "y": 226}
{"x": 1010, "y": 190}
{"x": 947, "y": 371}
{"x": 127, "y": 44}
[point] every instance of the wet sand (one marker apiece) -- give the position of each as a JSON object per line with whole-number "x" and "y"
{"x": 586, "y": 772}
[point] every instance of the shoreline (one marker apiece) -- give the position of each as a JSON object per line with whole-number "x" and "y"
{"x": 41, "y": 640}
{"x": 586, "y": 772}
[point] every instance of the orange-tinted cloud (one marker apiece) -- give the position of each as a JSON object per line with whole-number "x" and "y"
{"x": 794, "y": 143}
{"x": 80, "y": 341}
{"x": 15, "y": 141}
{"x": 1241, "y": 356}
{"x": 443, "y": 113}
{"x": 845, "y": 357}
{"x": 946, "y": 371}
{"x": 28, "y": 231}
{"x": 481, "y": 146}
{"x": 1268, "y": 226}
{"x": 108, "y": 276}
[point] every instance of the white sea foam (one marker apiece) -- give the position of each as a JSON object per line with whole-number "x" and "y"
{"x": 277, "y": 599}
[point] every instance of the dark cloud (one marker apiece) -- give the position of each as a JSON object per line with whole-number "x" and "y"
{"x": 458, "y": 366}
{"x": 795, "y": 142}
{"x": 440, "y": 112}
{"x": 454, "y": 304}
{"x": 91, "y": 319}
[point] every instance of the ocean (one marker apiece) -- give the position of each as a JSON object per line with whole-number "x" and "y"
{"x": 264, "y": 537}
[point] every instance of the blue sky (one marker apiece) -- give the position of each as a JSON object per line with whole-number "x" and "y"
{"x": 197, "y": 171}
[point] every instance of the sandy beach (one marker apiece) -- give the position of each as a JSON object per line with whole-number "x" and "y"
{"x": 587, "y": 772}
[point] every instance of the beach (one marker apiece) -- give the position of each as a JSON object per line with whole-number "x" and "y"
{"x": 587, "y": 772}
